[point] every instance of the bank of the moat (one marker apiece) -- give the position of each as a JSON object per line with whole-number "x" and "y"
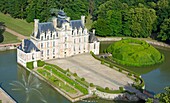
{"x": 77, "y": 82}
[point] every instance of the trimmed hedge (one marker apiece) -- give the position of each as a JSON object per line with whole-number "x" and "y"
{"x": 133, "y": 52}
{"x": 30, "y": 65}
{"x": 40, "y": 63}
{"x": 57, "y": 67}
{"x": 67, "y": 79}
{"x": 107, "y": 90}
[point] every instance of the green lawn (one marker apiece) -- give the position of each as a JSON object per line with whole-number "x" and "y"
{"x": 18, "y": 25}
{"x": 55, "y": 81}
{"x": 9, "y": 38}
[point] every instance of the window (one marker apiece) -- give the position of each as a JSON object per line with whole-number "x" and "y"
{"x": 65, "y": 39}
{"x": 79, "y": 40}
{"x": 42, "y": 53}
{"x": 53, "y": 43}
{"x": 79, "y": 47}
{"x": 74, "y": 48}
{"x": 94, "y": 46}
{"x": 53, "y": 36}
{"x": 65, "y": 45}
{"x": 47, "y": 37}
{"x": 47, "y": 44}
{"x": 53, "y": 51}
{"x": 42, "y": 38}
{"x": 32, "y": 56}
{"x": 48, "y": 52}
{"x": 65, "y": 27}
{"x": 41, "y": 45}
{"x": 74, "y": 40}
{"x": 84, "y": 39}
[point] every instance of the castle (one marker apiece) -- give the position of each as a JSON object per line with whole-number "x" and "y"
{"x": 60, "y": 38}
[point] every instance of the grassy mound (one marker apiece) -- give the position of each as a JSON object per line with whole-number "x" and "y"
{"x": 134, "y": 52}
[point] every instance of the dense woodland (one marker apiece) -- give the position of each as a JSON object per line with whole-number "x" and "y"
{"x": 135, "y": 18}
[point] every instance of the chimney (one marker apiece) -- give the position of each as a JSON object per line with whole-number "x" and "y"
{"x": 23, "y": 44}
{"x": 83, "y": 20}
{"x": 36, "y": 21}
{"x": 93, "y": 31}
{"x": 54, "y": 22}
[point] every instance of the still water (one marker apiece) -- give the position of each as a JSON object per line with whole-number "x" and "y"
{"x": 10, "y": 72}
{"x": 156, "y": 79}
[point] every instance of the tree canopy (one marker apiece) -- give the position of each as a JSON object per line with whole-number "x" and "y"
{"x": 2, "y": 29}
{"x": 135, "y": 18}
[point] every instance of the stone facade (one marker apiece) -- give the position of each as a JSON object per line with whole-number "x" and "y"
{"x": 58, "y": 39}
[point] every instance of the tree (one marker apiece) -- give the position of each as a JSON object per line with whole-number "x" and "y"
{"x": 164, "y": 30}
{"x": 164, "y": 97}
{"x": 2, "y": 29}
{"x": 109, "y": 21}
{"x": 114, "y": 19}
{"x": 102, "y": 27}
{"x": 138, "y": 21}
{"x": 162, "y": 12}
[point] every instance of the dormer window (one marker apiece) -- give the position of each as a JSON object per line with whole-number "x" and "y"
{"x": 65, "y": 27}
{"x": 42, "y": 38}
{"x": 53, "y": 36}
{"x": 47, "y": 37}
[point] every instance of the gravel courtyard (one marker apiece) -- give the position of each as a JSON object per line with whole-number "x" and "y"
{"x": 93, "y": 71}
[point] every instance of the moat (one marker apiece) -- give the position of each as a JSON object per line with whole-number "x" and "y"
{"x": 156, "y": 79}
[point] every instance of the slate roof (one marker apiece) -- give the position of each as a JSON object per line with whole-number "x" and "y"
{"x": 92, "y": 38}
{"x": 28, "y": 46}
{"x": 76, "y": 24}
{"x": 61, "y": 13}
{"x": 44, "y": 27}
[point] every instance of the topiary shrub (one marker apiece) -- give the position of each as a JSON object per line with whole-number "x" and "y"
{"x": 107, "y": 88}
{"x": 120, "y": 70}
{"x": 40, "y": 63}
{"x": 82, "y": 79}
{"x": 102, "y": 62}
{"x": 91, "y": 85}
{"x": 68, "y": 70}
{"x": 111, "y": 66}
{"x": 121, "y": 88}
{"x": 75, "y": 74}
{"x": 136, "y": 80}
{"x": 129, "y": 74}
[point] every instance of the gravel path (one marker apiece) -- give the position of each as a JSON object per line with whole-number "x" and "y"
{"x": 20, "y": 36}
